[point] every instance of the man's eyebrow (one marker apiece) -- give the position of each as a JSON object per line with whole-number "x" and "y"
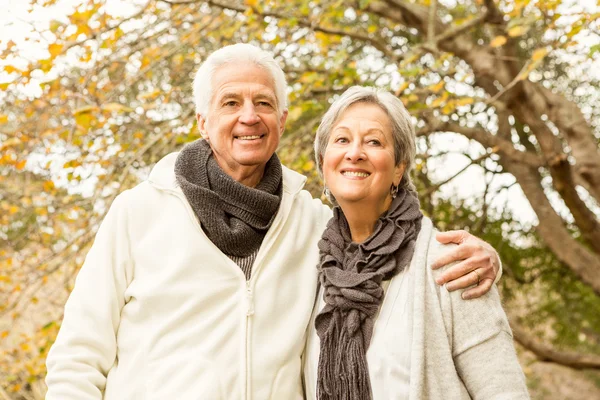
{"x": 267, "y": 96}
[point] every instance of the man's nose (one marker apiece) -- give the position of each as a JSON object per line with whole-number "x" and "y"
{"x": 248, "y": 114}
{"x": 355, "y": 152}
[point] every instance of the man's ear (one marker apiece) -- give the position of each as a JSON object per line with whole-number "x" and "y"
{"x": 282, "y": 121}
{"x": 202, "y": 126}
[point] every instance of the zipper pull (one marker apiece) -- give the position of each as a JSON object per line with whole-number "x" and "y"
{"x": 249, "y": 301}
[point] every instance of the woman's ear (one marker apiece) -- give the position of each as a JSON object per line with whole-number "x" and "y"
{"x": 399, "y": 173}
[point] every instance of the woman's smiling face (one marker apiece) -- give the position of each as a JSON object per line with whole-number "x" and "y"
{"x": 359, "y": 162}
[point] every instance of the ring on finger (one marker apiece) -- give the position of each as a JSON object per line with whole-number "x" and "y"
{"x": 478, "y": 276}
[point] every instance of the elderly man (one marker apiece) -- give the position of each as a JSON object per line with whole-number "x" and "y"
{"x": 202, "y": 279}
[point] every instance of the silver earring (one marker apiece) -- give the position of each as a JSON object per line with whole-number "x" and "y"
{"x": 326, "y": 192}
{"x": 394, "y": 191}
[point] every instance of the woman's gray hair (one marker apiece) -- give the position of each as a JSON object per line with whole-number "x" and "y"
{"x": 238, "y": 54}
{"x": 403, "y": 131}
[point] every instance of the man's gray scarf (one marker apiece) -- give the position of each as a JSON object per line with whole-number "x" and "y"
{"x": 351, "y": 276}
{"x": 235, "y": 217}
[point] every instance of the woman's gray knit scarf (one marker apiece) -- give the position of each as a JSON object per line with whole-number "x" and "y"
{"x": 235, "y": 217}
{"x": 351, "y": 275}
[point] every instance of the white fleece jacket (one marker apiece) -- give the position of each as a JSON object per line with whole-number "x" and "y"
{"x": 158, "y": 312}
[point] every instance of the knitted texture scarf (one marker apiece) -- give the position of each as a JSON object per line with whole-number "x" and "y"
{"x": 235, "y": 217}
{"x": 351, "y": 275}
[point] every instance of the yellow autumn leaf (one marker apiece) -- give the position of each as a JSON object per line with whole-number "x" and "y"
{"x": 4, "y": 334}
{"x": 13, "y": 209}
{"x": 498, "y": 41}
{"x": 83, "y": 110}
{"x": 55, "y": 49}
{"x": 518, "y": 30}
{"x": 4, "y": 86}
{"x": 402, "y": 88}
{"x": 20, "y": 165}
{"x": 3, "y": 119}
{"x": 9, "y": 69}
{"x": 150, "y": 95}
{"x": 448, "y": 108}
{"x": 437, "y": 102}
{"x": 116, "y": 107}
{"x": 9, "y": 143}
{"x": 46, "y": 65}
{"x": 10, "y": 45}
{"x": 308, "y": 166}
{"x": 540, "y": 53}
{"x": 463, "y": 101}
{"x": 48, "y": 186}
{"x": 295, "y": 113}
{"x": 55, "y": 25}
{"x": 84, "y": 120}
{"x": 437, "y": 87}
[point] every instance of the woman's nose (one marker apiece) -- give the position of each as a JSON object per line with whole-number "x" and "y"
{"x": 355, "y": 152}
{"x": 249, "y": 115}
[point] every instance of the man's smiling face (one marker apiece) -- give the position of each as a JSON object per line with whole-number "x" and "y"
{"x": 243, "y": 125}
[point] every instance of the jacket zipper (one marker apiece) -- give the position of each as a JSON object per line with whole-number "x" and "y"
{"x": 249, "y": 314}
{"x": 267, "y": 243}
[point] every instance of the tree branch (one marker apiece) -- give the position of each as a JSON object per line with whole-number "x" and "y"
{"x": 436, "y": 186}
{"x": 431, "y": 23}
{"x": 547, "y": 353}
{"x": 551, "y": 228}
{"x": 504, "y": 147}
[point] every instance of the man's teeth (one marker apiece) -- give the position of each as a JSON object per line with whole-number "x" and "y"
{"x": 249, "y": 137}
{"x": 356, "y": 173}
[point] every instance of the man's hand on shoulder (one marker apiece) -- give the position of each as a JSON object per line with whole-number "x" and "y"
{"x": 478, "y": 264}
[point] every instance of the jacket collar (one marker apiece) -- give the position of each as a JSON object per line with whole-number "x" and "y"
{"x": 163, "y": 176}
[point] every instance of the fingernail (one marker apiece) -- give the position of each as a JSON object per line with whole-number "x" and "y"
{"x": 439, "y": 281}
{"x": 465, "y": 296}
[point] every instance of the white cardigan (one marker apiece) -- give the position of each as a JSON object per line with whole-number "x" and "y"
{"x": 458, "y": 349}
{"x": 158, "y": 312}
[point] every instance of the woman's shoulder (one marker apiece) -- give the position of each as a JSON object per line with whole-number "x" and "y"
{"x": 429, "y": 249}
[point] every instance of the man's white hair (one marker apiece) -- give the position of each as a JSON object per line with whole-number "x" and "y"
{"x": 237, "y": 54}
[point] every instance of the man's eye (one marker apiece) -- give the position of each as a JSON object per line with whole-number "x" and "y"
{"x": 230, "y": 103}
{"x": 264, "y": 104}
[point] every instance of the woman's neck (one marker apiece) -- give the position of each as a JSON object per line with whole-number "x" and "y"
{"x": 362, "y": 218}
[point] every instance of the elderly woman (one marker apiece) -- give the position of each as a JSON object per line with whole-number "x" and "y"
{"x": 382, "y": 328}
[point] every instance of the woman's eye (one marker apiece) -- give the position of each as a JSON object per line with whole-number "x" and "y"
{"x": 375, "y": 142}
{"x": 341, "y": 140}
